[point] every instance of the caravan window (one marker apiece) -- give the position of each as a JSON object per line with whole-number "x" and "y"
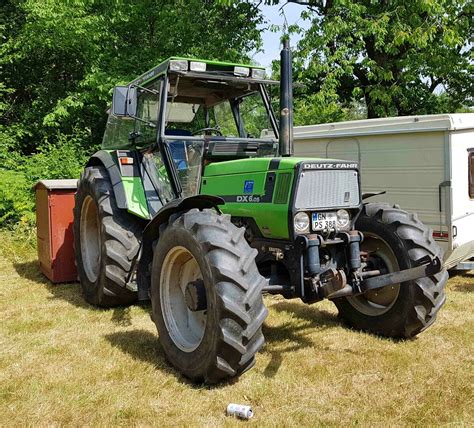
{"x": 471, "y": 174}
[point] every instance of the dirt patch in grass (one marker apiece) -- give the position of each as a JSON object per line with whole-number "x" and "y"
{"x": 65, "y": 362}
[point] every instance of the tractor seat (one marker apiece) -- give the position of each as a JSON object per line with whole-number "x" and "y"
{"x": 179, "y": 132}
{"x": 177, "y": 148}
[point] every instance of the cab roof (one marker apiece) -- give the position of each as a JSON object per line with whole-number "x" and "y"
{"x": 163, "y": 68}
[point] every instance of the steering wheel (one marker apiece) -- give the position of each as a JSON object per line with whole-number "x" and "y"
{"x": 216, "y": 130}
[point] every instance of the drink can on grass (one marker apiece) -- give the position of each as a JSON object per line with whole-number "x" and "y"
{"x": 239, "y": 410}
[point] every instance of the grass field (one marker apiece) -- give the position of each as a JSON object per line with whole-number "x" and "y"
{"x": 63, "y": 362}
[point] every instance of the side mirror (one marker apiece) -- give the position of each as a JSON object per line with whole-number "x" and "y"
{"x": 124, "y": 101}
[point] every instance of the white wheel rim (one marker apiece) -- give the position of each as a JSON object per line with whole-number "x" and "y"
{"x": 185, "y": 327}
{"x": 90, "y": 239}
{"x": 378, "y": 302}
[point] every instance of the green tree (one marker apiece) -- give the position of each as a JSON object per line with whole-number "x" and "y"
{"x": 400, "y": 57}
{"x": 385, "y": 57}
{"x": 60, "y": 59}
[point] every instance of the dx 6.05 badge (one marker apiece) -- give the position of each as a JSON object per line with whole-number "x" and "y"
{"x": 248, "y": 198}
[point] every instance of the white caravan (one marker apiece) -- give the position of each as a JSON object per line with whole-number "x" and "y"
{"x": 424, "y": 163}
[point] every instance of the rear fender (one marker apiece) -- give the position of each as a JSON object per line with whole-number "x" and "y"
{"x": 105, "y": 158}
{"x": 127, "y": 185}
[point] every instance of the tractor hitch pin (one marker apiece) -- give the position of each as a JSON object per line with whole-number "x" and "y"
{"x": 370, "y": 273}
{"x": 276, "y": 288}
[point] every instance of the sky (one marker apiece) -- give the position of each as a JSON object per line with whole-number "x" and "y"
{"x": 271, "y": 40}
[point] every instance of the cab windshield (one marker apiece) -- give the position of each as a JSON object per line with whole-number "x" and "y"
{"x": 205, "y": 107}
{"x": 198, "y": 110}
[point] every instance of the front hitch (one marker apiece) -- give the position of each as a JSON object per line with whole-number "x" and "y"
{"x": 426, "y": 266}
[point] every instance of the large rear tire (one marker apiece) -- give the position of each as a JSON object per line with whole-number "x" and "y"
{"x": 395, "y": 239}
{"x": 218, "y": 340}
{"x": 106, "y": 239}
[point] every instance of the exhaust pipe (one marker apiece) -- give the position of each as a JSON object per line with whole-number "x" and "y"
{"x": 286, "y": 100}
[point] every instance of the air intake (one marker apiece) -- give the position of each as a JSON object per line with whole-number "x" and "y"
{"x": 282, "y": 188}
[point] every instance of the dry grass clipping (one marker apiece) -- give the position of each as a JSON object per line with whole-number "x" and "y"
{"x": 63, "y": 362}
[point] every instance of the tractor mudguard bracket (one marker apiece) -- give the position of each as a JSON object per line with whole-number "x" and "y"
{"x": 427, "y": 266}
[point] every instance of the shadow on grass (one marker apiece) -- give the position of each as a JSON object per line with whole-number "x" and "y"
{"x": 293, "y": 334}
{"x": 141, "y": 345}
{"x": 281, "y": 339}
{"x": 70, "y": 292}
{"x": 144, "y": 346}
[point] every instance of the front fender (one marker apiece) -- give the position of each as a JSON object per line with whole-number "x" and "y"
{"x": 152, "y": 231}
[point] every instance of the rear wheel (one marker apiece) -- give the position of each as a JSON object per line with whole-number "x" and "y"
{"x": 106, "y": 239}
{"x": 394, "y": 240}
{"x": 206, "y": 295}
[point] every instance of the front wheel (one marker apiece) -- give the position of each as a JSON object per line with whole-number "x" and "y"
{"x": 394, "y": 240}
{"x": 206, "y": 295}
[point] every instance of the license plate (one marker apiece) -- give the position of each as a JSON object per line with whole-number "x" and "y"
{"x": 324, "y": 221}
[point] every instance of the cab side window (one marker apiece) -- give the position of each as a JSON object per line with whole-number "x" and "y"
{"x": 471, "y": 173}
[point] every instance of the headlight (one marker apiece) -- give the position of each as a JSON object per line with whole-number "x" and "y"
{"x": 178, "y": 65}
{"x": 258, "y": 73}
{"x": 301, "y": 222}
{"x": 343, "y": 219}
{"x": 241, "y": 71}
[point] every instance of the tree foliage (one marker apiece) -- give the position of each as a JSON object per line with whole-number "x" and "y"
{"x": 401, "y": 57}
{"x": 383, "y": 58}
{"x": 60, "y": 59}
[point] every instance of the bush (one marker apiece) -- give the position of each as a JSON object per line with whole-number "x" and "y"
{"x": 62, "y": 160}
{"x": 17, "y": 202}
{"x": 16, "y": 199}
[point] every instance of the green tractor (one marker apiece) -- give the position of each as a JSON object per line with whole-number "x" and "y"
{"x": 196, "y": 204}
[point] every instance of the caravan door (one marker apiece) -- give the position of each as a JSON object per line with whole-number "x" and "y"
{"x": 462, "y": 197}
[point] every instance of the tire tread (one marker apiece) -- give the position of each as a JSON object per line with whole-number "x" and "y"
{"x": 238, "y": 287}
{"x": 121, "y": 235}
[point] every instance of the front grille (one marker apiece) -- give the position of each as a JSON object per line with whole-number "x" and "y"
{"x": 327, "y": 189}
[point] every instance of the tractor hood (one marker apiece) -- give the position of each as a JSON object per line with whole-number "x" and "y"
{"x": 246, "y": 166}
{"x": 270, "y": 190}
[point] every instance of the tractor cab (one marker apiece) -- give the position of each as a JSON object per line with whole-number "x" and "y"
{"x": 187, "y": 113}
